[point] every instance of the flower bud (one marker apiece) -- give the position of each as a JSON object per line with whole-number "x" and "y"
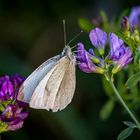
{"x": 125, "y": 24}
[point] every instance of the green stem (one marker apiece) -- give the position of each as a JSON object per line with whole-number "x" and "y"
{"x": 123, "y": 103}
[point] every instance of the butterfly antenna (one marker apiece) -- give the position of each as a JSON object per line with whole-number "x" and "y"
{"x": 75, "y": 37}
{"x": 64, "y": 28}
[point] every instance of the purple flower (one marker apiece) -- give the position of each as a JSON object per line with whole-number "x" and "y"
{"x": 116, "y": 47}
{"x": 86, "y": 64}
{"x": 12, "y": 114}
{"x": 134, "y": 18}
{"x": 15, "y": 124}
{"x": 6, "y": 89}
{"x": 17, "y": 80}
{"x": 120, "y": 54}
{"x": 126, "y": 58}
{"x": 85, "y": 60}
{"x": 98, "y": 39}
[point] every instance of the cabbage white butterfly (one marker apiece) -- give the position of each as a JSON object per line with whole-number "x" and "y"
{"x": 51, "y": 86}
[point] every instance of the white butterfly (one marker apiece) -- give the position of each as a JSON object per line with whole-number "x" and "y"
{"x": 51, "y": 86}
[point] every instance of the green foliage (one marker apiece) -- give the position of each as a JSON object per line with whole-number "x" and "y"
{"x": 3, "y": 127}
{"x": 104, "y": 19}
{"x": 125, "y": 133}
{"x": 137, "y": 60}
{"x": 107, "y": 109}
{"x": 128, "y": 131}
{"x": 130, "y": 124}
{"x": 127, "y": 40}
{"x": 137, "y": 57}
{"x": 107, "y": 88}
{"x": 133, "y": 80}
{"x": 85, "y": 24}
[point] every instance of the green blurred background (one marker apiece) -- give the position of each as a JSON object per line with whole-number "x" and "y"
{"x": 31, "y": 31}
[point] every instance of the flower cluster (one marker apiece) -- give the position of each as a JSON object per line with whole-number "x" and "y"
{"x": 12, "y": 115}
{"x": 134, "y": 17}
{"x": 130, "y": 26}
{"x": 119, "y": 54}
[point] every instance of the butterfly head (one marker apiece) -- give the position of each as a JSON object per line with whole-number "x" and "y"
{"x": 67, "y": 52}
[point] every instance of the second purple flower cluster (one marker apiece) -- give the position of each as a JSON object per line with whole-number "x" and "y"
{"x": 12, "y": 115}
{"x": 119, "y": 54}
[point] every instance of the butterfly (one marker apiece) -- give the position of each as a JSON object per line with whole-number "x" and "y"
{"x": 52, "y": 85}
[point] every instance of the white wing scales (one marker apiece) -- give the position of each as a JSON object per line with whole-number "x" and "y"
{"x": 45, "y": 93}
{"x": 66, "y": 89}
{"x": 33, "y": 80}
{"x": 37, "y": 99}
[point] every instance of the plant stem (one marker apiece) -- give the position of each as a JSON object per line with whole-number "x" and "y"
{"x": 123, "y": 103}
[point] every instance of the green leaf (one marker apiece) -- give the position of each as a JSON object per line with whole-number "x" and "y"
{"x": 107, "y": 109}
{"x": 1, "y": 107}
{"x": 3, "y": 127}
{"x": 122, "y": 36}
{"x": 130, "y": 124}
{"x": 104, "y": 19}
{"x": 125, "y": 133}
{"x": 127, "y": 40}
{"x": 133, "y": 80}
{"x": 85, "y": 24}
{"x": 136, "y": 60}
{"x": 137, "y": 56}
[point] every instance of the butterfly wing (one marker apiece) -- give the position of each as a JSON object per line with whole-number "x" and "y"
{"x": 46, "y": 90}
{"x": 33, "y": 80}
{"x": 66, "y": 89}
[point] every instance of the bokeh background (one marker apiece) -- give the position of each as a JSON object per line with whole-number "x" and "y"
{"x": 31, "y": 31}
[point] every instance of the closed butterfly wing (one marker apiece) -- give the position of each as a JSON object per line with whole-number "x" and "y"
{"x": 66, "y": 89}
{"x": 47, "y": 94}
{"x": 29, "y": 85}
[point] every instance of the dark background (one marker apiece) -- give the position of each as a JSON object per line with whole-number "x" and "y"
{"x": 31, "y": 31}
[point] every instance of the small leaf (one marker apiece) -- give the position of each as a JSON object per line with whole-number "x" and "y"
{"x": 130, "y": 124}
{"x": 107, "y": 109}
{"x": 125, "y": 133}
{"x": 133, "y": 80}
{"x": 3, "y": 127}
{"x": 104, "y": 19}
{"x": 85, "y": 24}
{"x": 127, "y": 40}
{"x": 137, "y": 56}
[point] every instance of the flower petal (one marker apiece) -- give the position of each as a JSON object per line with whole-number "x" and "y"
{"x": 83, "y": 57}
{"x": 23, "y": 115}
{"x": 15, "y": 124}
{"x": 8, "y": 113}
{"x": 81, "y": 52}
{"x": 115, "y": 45}
{"x": 126, "y": 58}
{"x": 98, "y": 38}
{"x": 134, "y": 18}
{"x": 2, "y": 95}
{"x": 8, "y": 89}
